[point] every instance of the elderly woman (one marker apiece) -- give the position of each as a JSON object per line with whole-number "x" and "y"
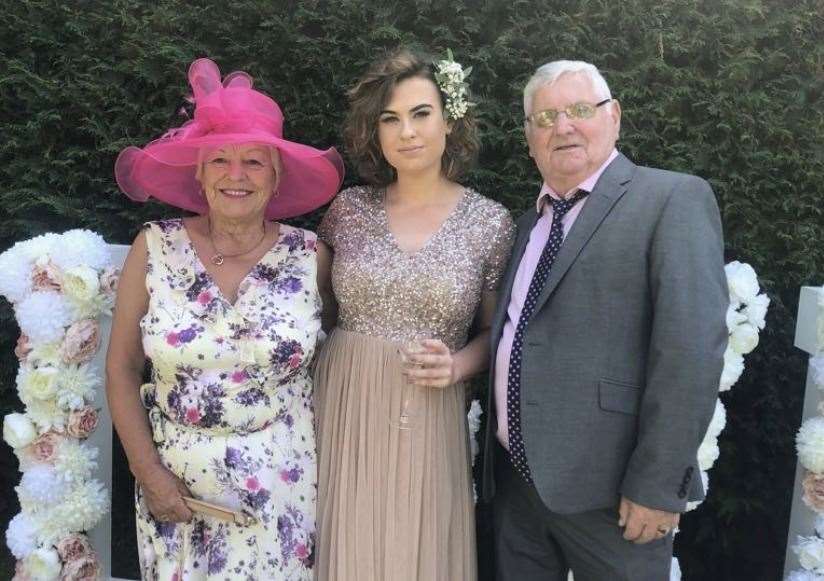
{"x": 225, "y": 307}
{"x": 416, "y": 259}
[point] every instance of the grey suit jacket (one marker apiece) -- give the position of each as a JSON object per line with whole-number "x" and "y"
{"x": 623, "y": 354}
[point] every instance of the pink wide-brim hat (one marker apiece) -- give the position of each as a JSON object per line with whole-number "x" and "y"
{"x": 226, "y": 113}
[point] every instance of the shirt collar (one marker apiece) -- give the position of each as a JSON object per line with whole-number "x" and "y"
{"x": 586, "y": 185}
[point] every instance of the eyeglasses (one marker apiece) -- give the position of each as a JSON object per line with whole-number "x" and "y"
{"x": 546, "y": 119}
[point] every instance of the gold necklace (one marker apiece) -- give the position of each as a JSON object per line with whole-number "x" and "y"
{"x": 219, "y": 257}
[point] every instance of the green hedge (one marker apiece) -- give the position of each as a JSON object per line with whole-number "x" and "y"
{"x": 729, "y": 90}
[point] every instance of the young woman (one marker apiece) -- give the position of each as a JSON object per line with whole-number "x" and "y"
{"x": 407, "y": 264}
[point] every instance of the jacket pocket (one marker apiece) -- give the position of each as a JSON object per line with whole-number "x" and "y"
{"x": 617, "y": 396}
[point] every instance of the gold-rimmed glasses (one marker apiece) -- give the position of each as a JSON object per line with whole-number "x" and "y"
{"x": 581, "y": 110}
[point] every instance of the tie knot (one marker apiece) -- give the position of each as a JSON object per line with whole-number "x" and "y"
{"x": 561, "y": 207}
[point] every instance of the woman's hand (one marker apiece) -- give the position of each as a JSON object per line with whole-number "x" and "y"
{"x": 163, "y": 493}
{"x": 432, "y": 365}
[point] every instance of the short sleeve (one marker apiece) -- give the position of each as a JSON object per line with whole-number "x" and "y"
{"x": 500, "y": 249}
{"x": 327, "y": 230}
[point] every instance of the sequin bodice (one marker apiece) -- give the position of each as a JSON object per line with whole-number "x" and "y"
{"x": 384, "y": 291}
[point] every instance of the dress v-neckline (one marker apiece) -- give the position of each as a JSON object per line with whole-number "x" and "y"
{"x": 199, "y": 264}
{"x": 393, "y": 240}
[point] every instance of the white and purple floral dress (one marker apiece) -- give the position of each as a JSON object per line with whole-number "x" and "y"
{"x": 230, "y": 405}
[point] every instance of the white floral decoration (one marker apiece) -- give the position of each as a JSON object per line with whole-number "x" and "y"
{"x": 15, "y": 276}
{"x": 76, "y": 385}
{"x": 32, "y": 320}
{"x": 40, "y": 485}
{"x": 742, "y": 281}
{"x": 18, "y": 430}
{"x": 473, "y": 418}
{"x": 801, "y": 575}
{"x": 451, "y": 79}
{"x": 82, "y": 507}
{"x": 53, "y": 281}
{"x": 43, "y": 564}
{"x": 21, "y": 535}
{"x": 810, "y": 551}
{"x": 81, "y": 248}
{"x": 809, "y": 443}
{"x": 75, "y": 461}
{"x": 733, "y": 368}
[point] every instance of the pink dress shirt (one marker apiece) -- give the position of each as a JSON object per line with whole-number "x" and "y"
{"x": 526, "y": 269}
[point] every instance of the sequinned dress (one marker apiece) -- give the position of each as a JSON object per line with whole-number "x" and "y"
{"x": 230, "y": 404}
{"x": 396, "y": 504}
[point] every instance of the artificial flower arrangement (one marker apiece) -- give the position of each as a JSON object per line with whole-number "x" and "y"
{"x": 59, "y": 286}
{"x": 810, "y": 446}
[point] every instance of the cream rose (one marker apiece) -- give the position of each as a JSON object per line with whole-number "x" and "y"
{"x": 18, "y": 430}
{"x": 43, "y": 564}
{"x": 744, "y": 338}
{"x": 73, "y": 546}
{"x": 39, "y": 383}
{"x": 81, "y": 283}
{"x": 81, "y": 341}
{"x": 82, "y": 422}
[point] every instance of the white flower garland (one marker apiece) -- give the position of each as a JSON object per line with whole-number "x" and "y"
{"x": 745, "y": 318}
{"x": 809, "y": 443}
{"x": 451, "y": 79}
{"x": 59, "y": 286}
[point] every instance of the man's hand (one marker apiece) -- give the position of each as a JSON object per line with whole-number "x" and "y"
{"x": 642, "y": 524}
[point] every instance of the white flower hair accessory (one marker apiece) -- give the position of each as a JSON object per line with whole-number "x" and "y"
{"x": 451, "y": 79}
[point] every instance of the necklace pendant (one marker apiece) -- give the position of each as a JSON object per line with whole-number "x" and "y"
{"x": 217, "y": 259}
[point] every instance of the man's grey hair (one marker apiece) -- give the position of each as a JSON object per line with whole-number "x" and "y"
{"x": 550, "y": 72}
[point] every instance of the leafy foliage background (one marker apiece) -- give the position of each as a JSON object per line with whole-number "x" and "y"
{"x": 727, "y": 89}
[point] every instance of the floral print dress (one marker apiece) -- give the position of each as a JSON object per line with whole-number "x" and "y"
{"x": 230, "y": 404}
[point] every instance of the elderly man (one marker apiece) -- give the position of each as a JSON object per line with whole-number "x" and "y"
{"x": 607, "y": 348}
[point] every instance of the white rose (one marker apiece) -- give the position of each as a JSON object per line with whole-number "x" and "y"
{"x": 718, "y": 421}
{"x": 708, "y": 453}
{"x": 733, "y": 368}
{"x": 81, "y": 283}
{"x": 44, "y": 354}
{"x": 810, "y": 551}
{"x": 734, "y": 317}
{"x": 43, "y": 565}
{"x": 809, "y": 442}
{"x": 756, "y": 310}
{"x": 39, "y": 383}
{"x": 18, "y": 430}
{"x": 742, "y": 281}
{"x": 744, "y": 338}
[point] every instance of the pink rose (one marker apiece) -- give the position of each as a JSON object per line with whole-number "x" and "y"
{"x": 192, "y": 415}
{"x": 204, "y": 298}
{"x": 73, "y": 547}
{"x": 85, "y": 568}
{"x": 23, "y": 347}
{"x": 108, "y": 280}
{"x": 294, "y": 360}
{"x": 44, "y": 448}
{"x": 172, "y": 338}
{"x": 310, "y": 244}
{"x": 239, "y": 376}
{"x": 81, "y": 341}
{"x": 813, "y": 485}
{"x": 46, "y": 277}
{"x": 252, "y": 483}
{"x": 82, "y": 422}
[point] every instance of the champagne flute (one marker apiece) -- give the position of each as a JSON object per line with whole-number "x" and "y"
{"x": 408, "y": 352}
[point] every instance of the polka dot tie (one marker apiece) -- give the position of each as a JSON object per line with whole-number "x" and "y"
{"x": 513, "y": 391}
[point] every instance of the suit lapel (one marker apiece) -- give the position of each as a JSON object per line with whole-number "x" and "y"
{"x": 608, "y": 190}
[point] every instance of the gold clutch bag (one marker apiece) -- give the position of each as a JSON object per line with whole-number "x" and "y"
{"x": 242, "y": 518}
